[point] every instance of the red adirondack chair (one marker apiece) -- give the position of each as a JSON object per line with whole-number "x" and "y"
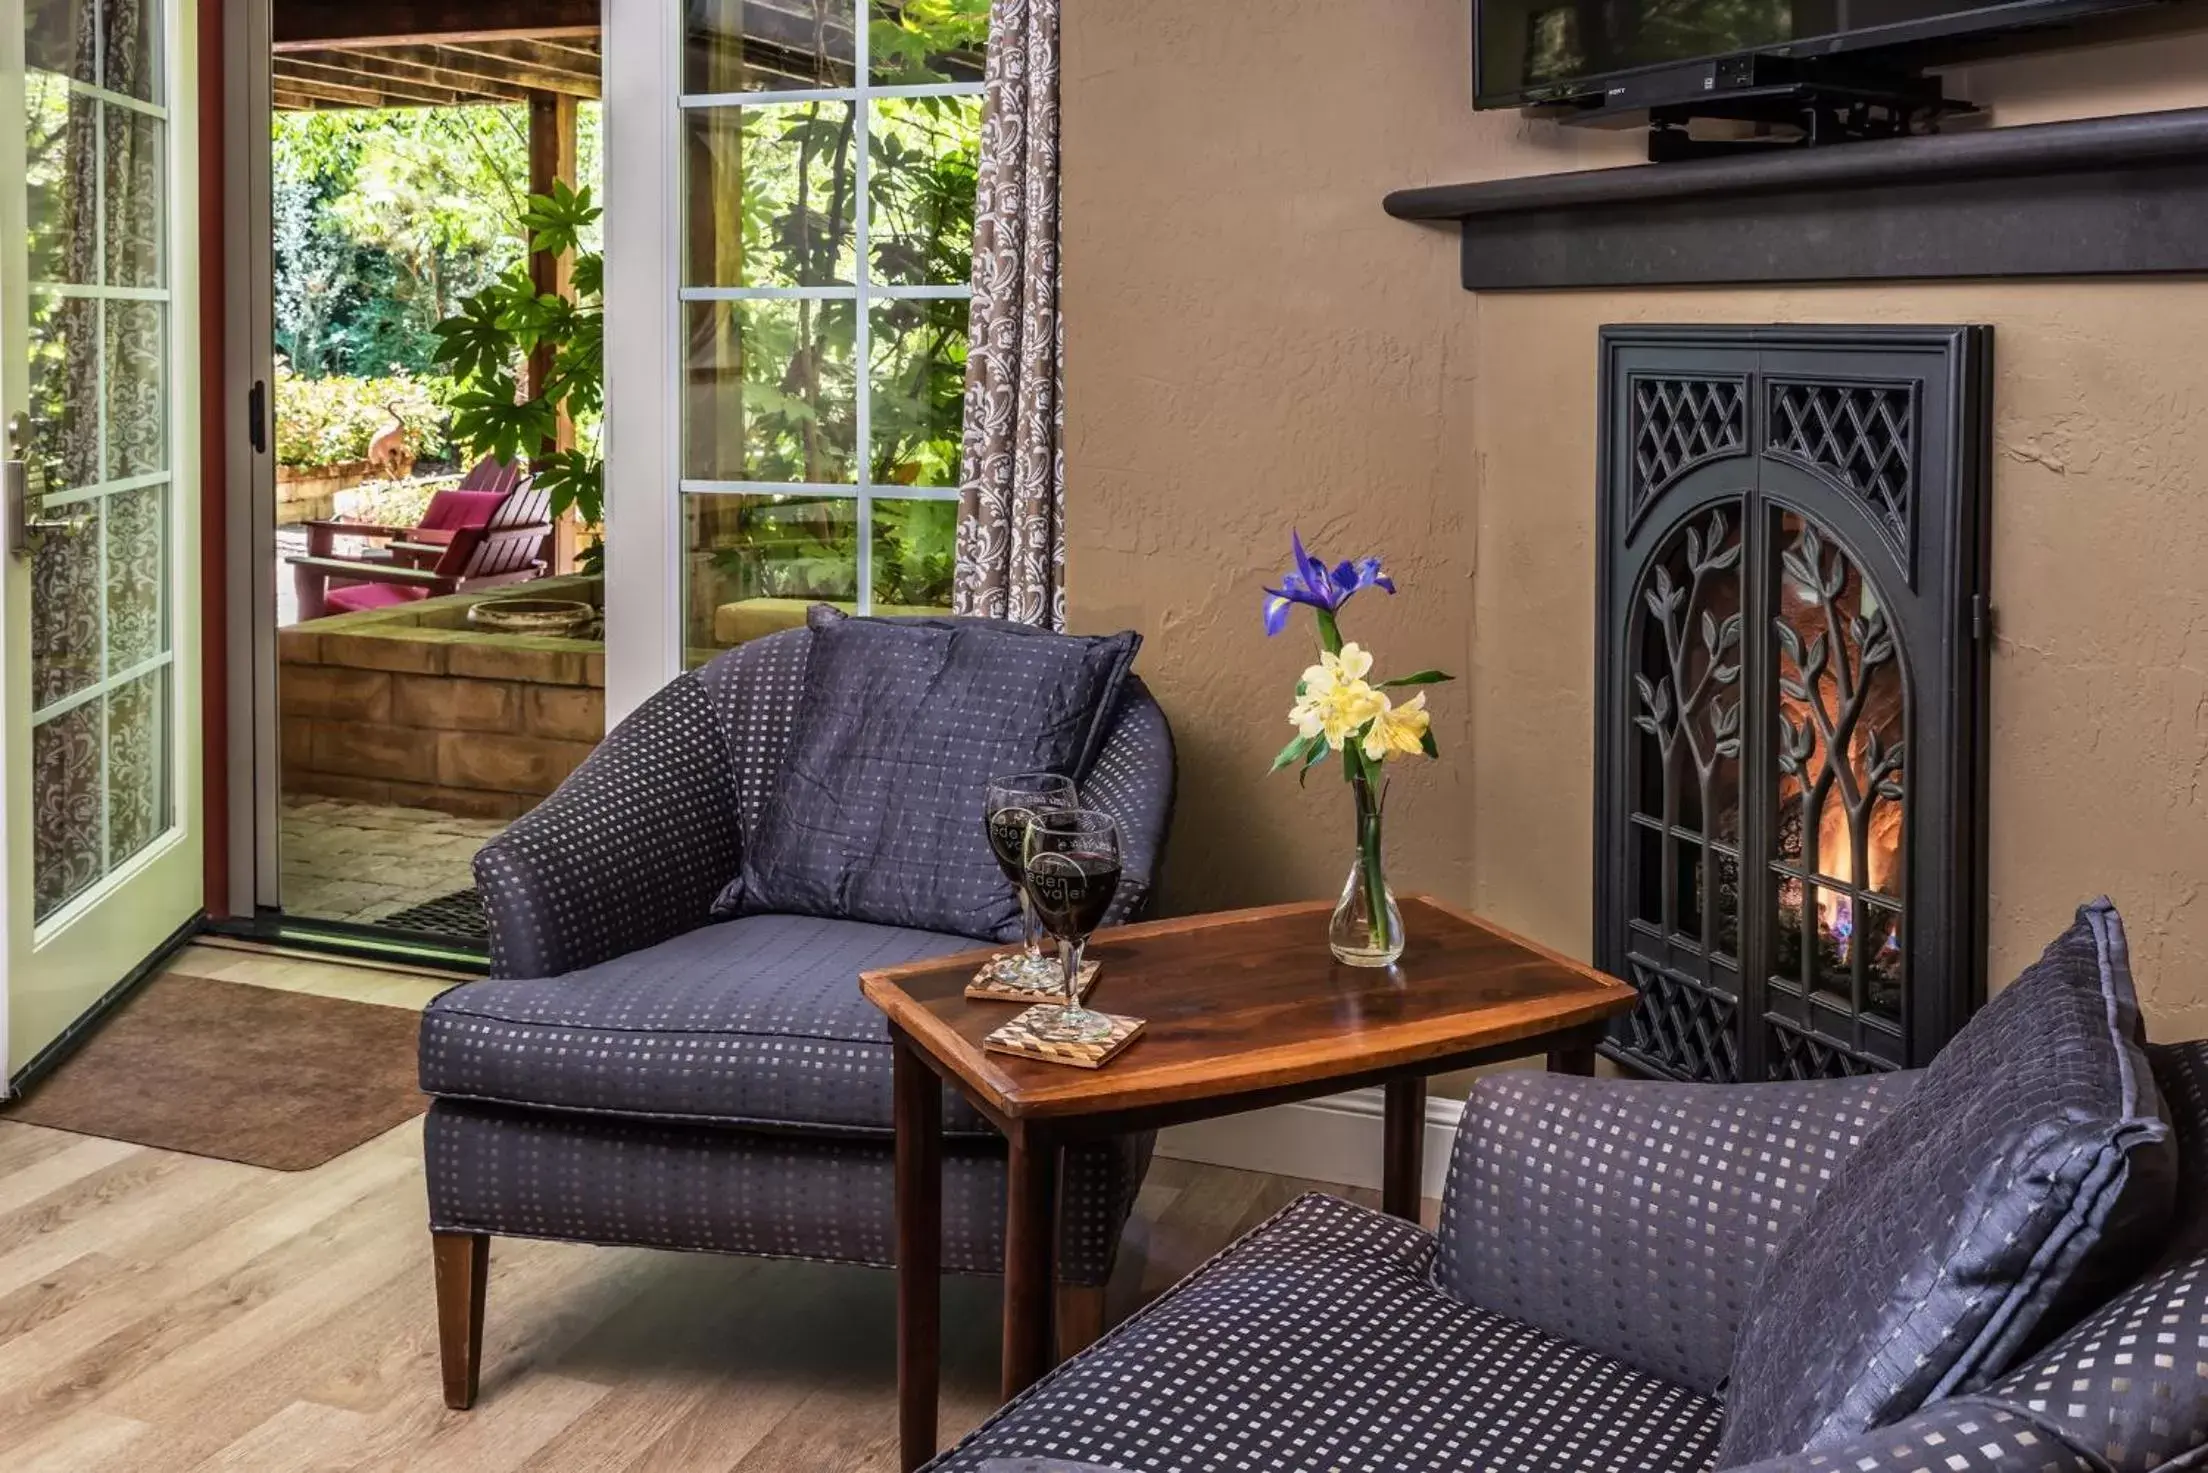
{"x": 472, "y": 503}
{"x": 508, "y": 549}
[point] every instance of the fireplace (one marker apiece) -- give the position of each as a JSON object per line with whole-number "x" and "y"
{"x": 1790, "y": 712}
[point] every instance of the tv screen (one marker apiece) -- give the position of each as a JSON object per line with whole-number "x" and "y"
{"x": 1550, "y": 50}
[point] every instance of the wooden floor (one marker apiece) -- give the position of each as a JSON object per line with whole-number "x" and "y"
{"x": 169, "y": 1312}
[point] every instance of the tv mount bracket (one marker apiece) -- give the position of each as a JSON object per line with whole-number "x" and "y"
{"x": 1789, "y": 114}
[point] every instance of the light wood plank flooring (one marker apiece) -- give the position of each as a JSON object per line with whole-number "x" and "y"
{"x": 167, "y": 1312}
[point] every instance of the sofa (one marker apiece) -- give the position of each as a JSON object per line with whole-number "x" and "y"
{"x": 640, "y": 1069}
{"x": 1577, "y": 1308}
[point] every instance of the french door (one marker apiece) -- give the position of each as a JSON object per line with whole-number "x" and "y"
{"x": 100, "y": 749}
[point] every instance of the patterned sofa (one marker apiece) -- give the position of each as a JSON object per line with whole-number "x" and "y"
{"x": 635, "y": 1071}
{"x": 1576, "y": 1312}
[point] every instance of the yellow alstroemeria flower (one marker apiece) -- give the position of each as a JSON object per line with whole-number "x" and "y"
{"x": 1336, "y": 700}
{"x": 1397, "y": 730}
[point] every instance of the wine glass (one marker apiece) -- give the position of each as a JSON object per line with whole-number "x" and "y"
{"x": 1072, "y": 865}
{"x": 1010, "y": 803}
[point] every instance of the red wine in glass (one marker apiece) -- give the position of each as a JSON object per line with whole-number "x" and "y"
{"x": 1072, "y": 867}
{"x": 1010, "y": 803}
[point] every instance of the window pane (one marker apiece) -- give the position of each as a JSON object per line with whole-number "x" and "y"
{"x": 134, "y": 205}
{"x": 914, "y": 547}
{"x": 753, "y": 563}
{"x": 137, "y": 388}
{"x": 921, "y": 189}
{"x": 59, "y": 171}
{"x": 770, "y": 391}
{"x": 130, "y": 47}
{"x": 771, "y": 195}
{"x": 766, "y": 45}
{"x": 59, "y": 36}
{"x": 919, "y": 384}
{"x": 918, "y": 41}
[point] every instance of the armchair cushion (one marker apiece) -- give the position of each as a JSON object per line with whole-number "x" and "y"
{"x": 1632, "y": 1216}
{"x": 756, "y": 1021}
{"x": 900, "y": 727}
{"x": 1319, "y": 1341}
{"x": 2031, "y": 1162}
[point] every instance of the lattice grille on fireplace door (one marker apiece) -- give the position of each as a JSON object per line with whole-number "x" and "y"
{"x": 1790, "y": 720}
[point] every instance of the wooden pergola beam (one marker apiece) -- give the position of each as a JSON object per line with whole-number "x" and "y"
{"x": 456, "y": 84}
{"x": 533, "y": 66}
{"x": 312, "y": 23}
{"x": 321, "y": 92}
{"x": 401, "y": 91}
{"x": 552, "y": 160}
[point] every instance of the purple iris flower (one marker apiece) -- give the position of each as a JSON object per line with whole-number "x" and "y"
{"x": 1309, "y": 581}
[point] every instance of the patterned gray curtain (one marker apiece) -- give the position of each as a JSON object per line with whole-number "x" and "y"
{"x": 1012, "y": 481}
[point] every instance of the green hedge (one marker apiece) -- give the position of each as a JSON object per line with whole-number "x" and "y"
{"x": 327, "y": 421}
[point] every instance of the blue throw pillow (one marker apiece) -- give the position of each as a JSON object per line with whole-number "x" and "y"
{"x": 902, "y": 723}
{"x": 2032, "y": 1167}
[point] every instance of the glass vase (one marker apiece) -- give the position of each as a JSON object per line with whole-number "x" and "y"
{"x": 1367, "y": 929}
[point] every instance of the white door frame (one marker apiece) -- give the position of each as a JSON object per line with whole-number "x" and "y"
{"x": 642, "y": 170}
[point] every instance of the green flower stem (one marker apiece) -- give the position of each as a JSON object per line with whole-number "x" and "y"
{"x": 1330, "y": 633}
{"x": 1370, "y": 797}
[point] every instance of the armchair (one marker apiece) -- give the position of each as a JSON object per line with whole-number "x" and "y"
{"x": 1575, "y": 1313}
{"x": 637, "y": 1070}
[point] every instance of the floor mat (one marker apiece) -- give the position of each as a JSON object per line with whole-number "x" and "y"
{"x": 284, "y": 1080}
{"x": 455, "y": 917}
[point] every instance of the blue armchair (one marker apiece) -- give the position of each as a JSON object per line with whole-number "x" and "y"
{"x": 637, "y": 1071}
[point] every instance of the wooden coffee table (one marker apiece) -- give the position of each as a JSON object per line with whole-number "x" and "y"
{"x": 1243, "y": 1009}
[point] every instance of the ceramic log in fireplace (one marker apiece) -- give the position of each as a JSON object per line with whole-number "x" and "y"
{"x": 1791, "y": 723}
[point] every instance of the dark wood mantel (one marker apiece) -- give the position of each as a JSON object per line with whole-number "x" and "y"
{"x": 2103, "y": 196}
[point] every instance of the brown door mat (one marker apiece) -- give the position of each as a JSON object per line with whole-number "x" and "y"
{"x": 284, "y": 1080}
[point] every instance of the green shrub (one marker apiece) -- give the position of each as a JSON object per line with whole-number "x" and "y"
{"x": 327, "y": 421}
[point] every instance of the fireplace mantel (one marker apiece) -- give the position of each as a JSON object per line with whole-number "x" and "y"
{"x": 2099, "y": 197}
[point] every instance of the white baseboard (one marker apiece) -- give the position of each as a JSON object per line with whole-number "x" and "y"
{"x": 1336, "y": 1140}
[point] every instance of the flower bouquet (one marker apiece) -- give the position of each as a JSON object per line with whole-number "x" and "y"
{"x": 1341, "y": 711}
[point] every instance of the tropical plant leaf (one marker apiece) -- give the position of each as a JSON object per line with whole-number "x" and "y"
{"x": 1417, "y": 677}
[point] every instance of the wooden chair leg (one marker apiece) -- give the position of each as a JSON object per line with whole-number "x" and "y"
{"x": 1080, "y": 1318}
{"x": 463, "y": 1263}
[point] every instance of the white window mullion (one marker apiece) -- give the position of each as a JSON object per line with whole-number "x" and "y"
{"x": 862, "y": 219}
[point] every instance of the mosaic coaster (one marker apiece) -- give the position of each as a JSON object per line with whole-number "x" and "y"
{"x": 989, "y": 991}
{"x": 1018, "y": 1037}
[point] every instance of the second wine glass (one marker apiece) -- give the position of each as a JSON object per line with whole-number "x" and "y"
{"x": 1073, "y": 868}
{"x": 1011, "y": 802}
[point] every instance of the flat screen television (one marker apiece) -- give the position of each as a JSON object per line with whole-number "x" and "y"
{"x": 1582, "y": 51}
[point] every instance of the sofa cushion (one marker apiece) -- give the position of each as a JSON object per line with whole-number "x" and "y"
{"x": 2130, "y": 1383}
{"x": 753, "y": 1021}
{"x": 877, "y": 814}
{"x": 1319, "y": 1341}
{"x": 2031, "y": 1166}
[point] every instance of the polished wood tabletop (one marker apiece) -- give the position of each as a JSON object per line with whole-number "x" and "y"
{"x": 1241, "y": 1009}
{"x": 1252, "y": 1001}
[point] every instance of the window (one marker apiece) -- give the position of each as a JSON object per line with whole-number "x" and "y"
{"x": 829, "y": 154}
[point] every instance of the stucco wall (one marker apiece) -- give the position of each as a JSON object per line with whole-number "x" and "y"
{"x": 1252, "y": 344}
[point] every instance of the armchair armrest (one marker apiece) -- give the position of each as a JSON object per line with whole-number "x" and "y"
{"x": 322, "y": 533}
{"x": 1634, "y": 1216}
{"x": 629, "y": 851}
{"x": 1132, "y": 779}
{"x": 353, "y": 572}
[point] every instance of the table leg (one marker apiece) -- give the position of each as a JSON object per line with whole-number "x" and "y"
{"x": 1574, "y": 1055}
{"x": 1030, "y": 1237}
{"x": 919, "y": 1125}
{"x": 1403, "y": 1166}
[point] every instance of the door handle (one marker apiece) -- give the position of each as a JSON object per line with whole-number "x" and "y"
{"x": 256, "y": 413}
{"x": 15, "y": 484}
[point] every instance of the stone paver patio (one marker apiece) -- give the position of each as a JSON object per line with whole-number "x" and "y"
{"x": 362, "y": 862}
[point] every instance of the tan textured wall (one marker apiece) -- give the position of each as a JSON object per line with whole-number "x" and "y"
{"x": 1252, "y": 343}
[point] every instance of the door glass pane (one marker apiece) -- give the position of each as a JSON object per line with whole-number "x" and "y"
{"x": 916, "y": 42}
{"x": 766, "y": 45}
{"x": 920, "y": 186}
{"x": 914, "y": 546}
{"x": 772, "y": 194}
{"x": 755, "y": 562}
{"x": 771, "y": 391}
{"x": 96, "y": 441}
{"x": 919, "y": 385}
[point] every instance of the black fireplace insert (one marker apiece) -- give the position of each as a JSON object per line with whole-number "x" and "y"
{"x": 1791, "y": 694}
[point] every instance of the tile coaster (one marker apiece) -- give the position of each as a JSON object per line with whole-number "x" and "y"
{"x": 1017, "y": 1037}
{"x": 986, "y": 991}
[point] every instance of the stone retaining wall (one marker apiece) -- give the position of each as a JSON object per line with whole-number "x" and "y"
{"x": 410, "y": 706}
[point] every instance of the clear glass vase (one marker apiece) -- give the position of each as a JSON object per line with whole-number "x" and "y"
{"x": 1367, "y": 929}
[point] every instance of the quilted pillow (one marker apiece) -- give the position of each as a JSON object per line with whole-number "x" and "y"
{"x": 902, "y": 722}
{"x": 2031, "y": 1169}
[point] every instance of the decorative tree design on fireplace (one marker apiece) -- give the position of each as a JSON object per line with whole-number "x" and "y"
{"x": 1792, "y": 897}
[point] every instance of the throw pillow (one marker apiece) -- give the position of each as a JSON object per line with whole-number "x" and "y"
{"x": 2033, "y": 1164}
{"x": 902, "y": 723}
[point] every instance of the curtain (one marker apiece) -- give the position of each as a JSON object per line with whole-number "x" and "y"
{"x": 1012, "y": 482}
